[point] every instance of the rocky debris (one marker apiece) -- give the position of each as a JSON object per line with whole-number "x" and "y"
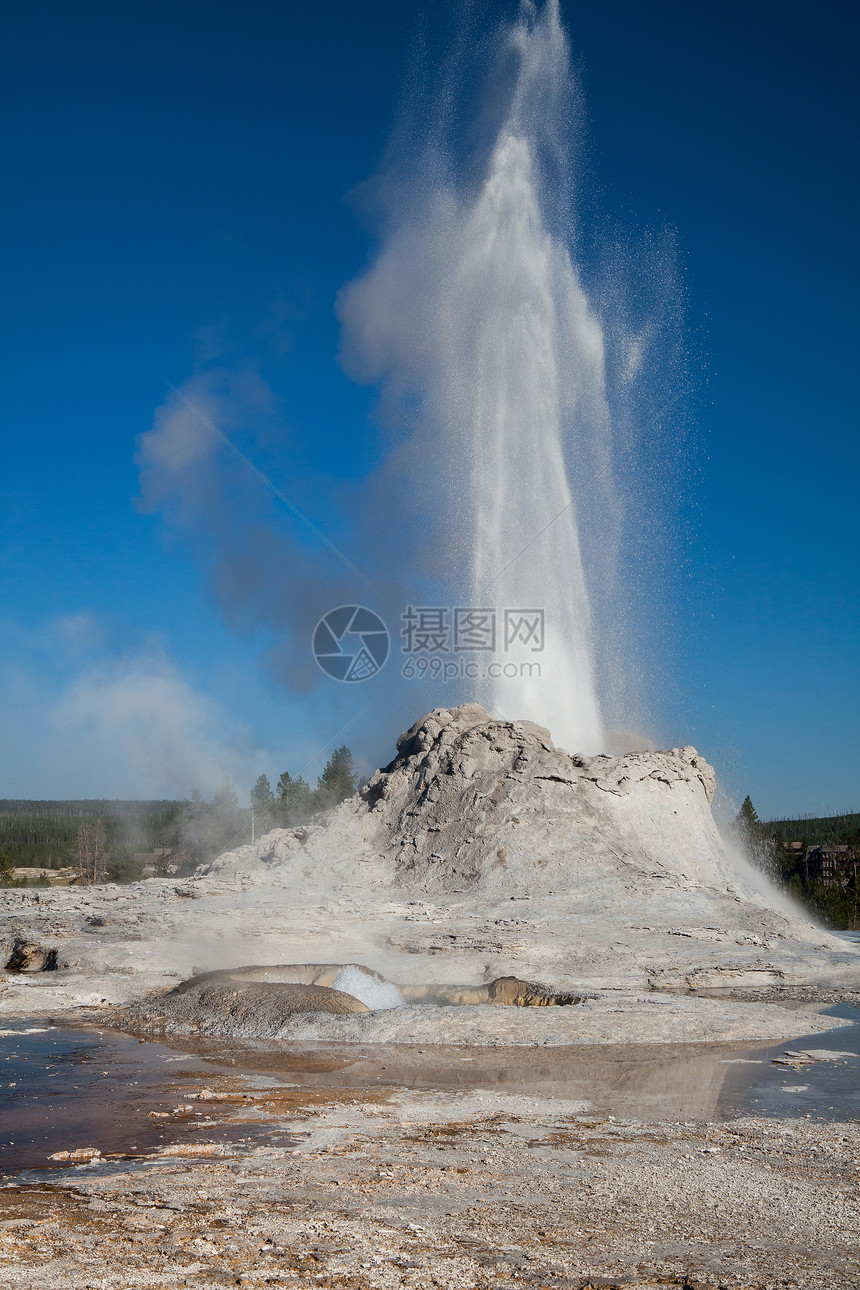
{"x": 210, "y": 1095}
{"x": 809, "y": 1056}
{"x": 753, "y": 976}
{"x": 29, "y": 956}
{"x": 465, "y": 1190}
{"x": 77, "y": 1156}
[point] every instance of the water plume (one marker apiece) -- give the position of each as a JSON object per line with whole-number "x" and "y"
{"x": 475, "y": 319}
{"x": 517, "y": 348}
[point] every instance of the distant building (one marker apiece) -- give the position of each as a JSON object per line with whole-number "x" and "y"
{"x": 831, "y": 864}
{"x": 151, "y": 861}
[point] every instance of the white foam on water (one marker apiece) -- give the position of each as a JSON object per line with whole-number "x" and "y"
{"x": 29, "y": 1030}
{"x": 377, "y": 995}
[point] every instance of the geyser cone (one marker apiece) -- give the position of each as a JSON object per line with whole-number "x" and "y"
{"x": 615, "y": 866}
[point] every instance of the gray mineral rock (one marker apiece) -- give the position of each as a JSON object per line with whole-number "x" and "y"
{"x": 480, "y": 852}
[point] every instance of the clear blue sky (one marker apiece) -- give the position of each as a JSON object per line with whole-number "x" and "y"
{"x": 177, "y": 192}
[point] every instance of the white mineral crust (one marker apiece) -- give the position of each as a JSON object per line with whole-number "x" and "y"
{"x": 482, "y": 850}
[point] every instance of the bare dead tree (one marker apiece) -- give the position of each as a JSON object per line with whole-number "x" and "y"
{"x": 92, "y": 852}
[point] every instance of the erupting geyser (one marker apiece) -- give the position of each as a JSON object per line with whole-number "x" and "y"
{"x": 513, "y": 417}
{"x": 475, "y": 313}
{"x": 521, "y": 360}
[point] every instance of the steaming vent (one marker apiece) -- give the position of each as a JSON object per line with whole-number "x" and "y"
{"x": 370, "y": 989}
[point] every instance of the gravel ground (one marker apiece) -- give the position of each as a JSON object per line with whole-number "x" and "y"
{"x": 481, "y": 851}
{"x": 390, "y": 1188}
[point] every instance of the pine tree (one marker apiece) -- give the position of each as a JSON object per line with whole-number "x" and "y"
{"x": 224, "y": 800}
{"x": 226, "y": 820}
{"x": 295, "y": 800}
{"x": 337, "y": 782}
{"x": 755, "y": 841}
{"x": 208, "y": 828}
{"x": 263, "y": 804}
{"x": 7, "y": 874}
{"x": 747, "y": 823}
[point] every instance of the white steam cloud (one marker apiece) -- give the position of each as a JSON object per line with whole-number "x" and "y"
{"x": 130, "y": 726}
{"x": 163, "y": 737}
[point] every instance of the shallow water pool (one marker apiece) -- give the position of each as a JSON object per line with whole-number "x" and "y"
{"x": 63, "y": 1088}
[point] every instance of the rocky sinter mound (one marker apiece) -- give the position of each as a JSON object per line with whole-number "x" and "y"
{"x": 482, "y": 851}
{"x": 216, "y": 1005}
{"x": 262, "y": 1002}
{"x": 607, "y": 850}
{"x": 472, "y": 803}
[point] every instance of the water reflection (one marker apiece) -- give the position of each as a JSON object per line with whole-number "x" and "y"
{"x": 827, "y": 1089}
{"x": 63, "y": 1088}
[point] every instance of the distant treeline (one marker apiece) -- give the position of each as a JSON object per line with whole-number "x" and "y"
{"x": 115, "y": 807}
{"x": 42, "y": 834}
{"x": 816, "y": 859}
{"x": 816, "y": 830}
{"x": 56, "y": 834}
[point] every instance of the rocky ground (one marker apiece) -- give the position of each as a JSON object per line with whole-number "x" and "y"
{"x": 451, "y": 1189}
{"x": 481, "y": 851}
